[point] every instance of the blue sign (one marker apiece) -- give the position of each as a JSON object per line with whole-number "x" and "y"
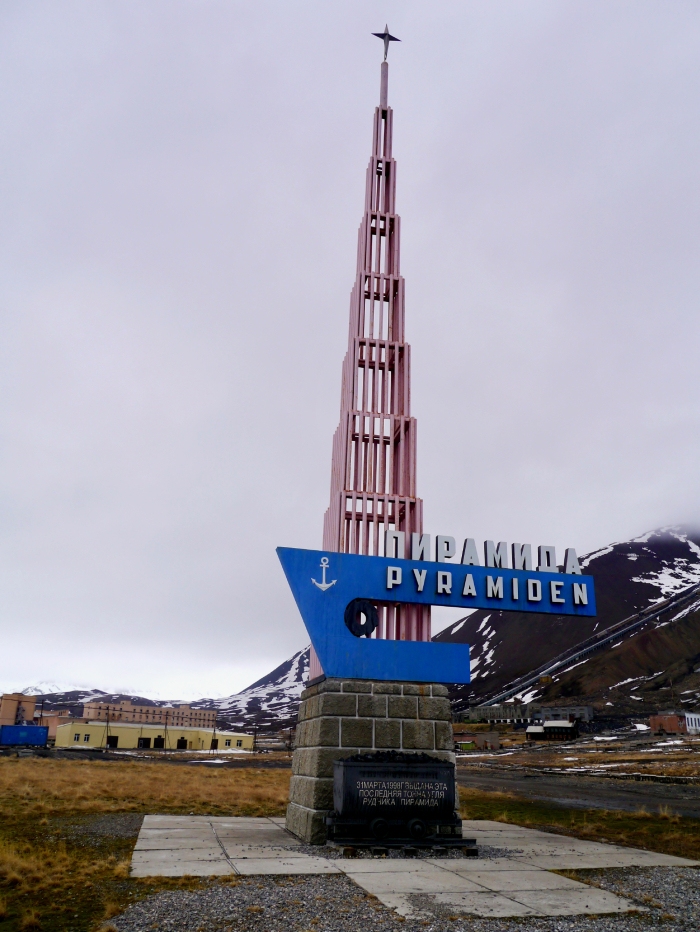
{"x": 324, "y": 585}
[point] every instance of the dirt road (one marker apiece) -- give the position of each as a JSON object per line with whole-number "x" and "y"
{"x": 581, "y": 792}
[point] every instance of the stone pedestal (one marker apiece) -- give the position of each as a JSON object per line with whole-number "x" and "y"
{"x": 339, "y": 718}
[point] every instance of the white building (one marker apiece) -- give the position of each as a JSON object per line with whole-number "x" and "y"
{"x": 692, "y": 723}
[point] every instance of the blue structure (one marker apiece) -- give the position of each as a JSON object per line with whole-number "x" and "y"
{"x": 324, "y": 585}
{"x": 23, "y": 735}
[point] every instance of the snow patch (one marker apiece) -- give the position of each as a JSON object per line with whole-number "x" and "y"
{"x": 596, "y": 553}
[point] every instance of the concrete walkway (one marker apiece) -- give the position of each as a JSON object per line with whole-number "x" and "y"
{"x": 518, "y": 884}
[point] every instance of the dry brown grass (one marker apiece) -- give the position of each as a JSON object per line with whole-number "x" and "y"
{"x": 28, "y": 869}
{"x": 46, "y": 787}
{"x": 111, "y": 909}
{"x": 665, "y": 832}
{"x": 30, "y": 920}
{"x": 49, "y": 884}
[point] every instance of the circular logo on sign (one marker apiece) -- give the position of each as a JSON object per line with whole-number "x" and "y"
{"x": 354, "y": 614}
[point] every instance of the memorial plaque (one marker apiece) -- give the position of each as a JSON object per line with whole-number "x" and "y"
{"x": 392, "y": 797}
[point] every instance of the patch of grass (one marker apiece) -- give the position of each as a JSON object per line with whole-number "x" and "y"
{"x": 662, "y": 831}
{"x": 30, "y": 920}
{"x": 57, "y": 872}
{"x": 44, "y": 787}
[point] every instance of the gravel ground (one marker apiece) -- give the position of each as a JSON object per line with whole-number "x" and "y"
{"x": 107, "y": 833}
{"x": 119, "y": 825}
{"x": 326, "y": 904}
{"x": 335, "y": 904}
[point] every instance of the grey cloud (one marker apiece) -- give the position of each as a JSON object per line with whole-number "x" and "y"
{"x": 181, "y": 192}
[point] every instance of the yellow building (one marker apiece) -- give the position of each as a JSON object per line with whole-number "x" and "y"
{"x": 16, "y": 708}
{"x": 127, "y": 711}
{"x": 128, "y": 736}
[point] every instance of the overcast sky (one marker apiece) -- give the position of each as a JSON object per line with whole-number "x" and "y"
{"x": 181, "y": 188}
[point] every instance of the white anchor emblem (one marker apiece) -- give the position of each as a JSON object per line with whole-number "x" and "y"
{"x": 324, "y": 585}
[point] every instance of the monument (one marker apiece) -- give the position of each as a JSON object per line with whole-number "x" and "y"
{"x": 373, "y": 488}
{"x": 374, "y": 752}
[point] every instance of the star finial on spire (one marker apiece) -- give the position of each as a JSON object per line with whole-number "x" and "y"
{"x": 386, "y": 35}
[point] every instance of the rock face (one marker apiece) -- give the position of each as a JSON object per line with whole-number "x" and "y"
{"x": 341, "y": 718}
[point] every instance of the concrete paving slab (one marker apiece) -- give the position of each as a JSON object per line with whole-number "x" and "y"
{"x": 294, "y": 865}
{"x": 167, "y": 840}
{"x": 558, "y": 862}
{"x": 277, "y": 839}
{"x": 518, "y": 885}
{"x": 260, "y": 851}
{"x": 488, "y": 825}
{"x": 532, "y": 851}
{"x": 144, "y": 843}
{"x": 610, "y": 858}
{"x": 468, "y": 865}
{"x": 182, "y": 869}
{"x": 425, "y": 880}
{"x": 174, "y": 820}
{"x": 239, "y": 820}
{"x": 385, "y": 865}
{"x": 508, "y": 881}
{"x": 177, "y": 854}
{"x": 573, "y": 902}
{"x": 519, "y": 840}
{"x": 486, "y": 905}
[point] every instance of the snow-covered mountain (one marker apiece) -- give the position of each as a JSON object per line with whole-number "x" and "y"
{"x": 46, "y": 688}
{"x": 629, "y": 576}
{"x": 271, "y": 702}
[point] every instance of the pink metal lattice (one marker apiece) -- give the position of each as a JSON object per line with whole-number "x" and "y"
{"x": 373, "y": 471}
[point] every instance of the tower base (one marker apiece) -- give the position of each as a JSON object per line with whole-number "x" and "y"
{"x": 340, "y": 718}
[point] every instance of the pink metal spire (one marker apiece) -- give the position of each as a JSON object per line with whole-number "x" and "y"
{"x": 373, "y": 471}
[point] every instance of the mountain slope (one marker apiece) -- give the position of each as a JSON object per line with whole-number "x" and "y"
{"x": 271, "y": 702}
{"x": 629, "y": 576}
{"x": 656, "y": 666}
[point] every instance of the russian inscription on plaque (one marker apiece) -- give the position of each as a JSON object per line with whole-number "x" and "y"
{"x": 395, "y": 799}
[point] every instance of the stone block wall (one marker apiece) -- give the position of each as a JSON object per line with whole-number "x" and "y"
{"x": 340, "y": 718}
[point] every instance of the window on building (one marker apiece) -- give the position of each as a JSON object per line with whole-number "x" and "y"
{"x": 86, "y": 737}
{"x": 227, "y": 743}
{"x": 239, "y": 743}
{"x": 76, "y": 737}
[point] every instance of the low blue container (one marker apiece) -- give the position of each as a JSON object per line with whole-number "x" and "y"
{"x": 16, "y": 735}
